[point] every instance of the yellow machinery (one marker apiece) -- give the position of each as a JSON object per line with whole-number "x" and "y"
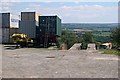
{"x": 22, "y": 40}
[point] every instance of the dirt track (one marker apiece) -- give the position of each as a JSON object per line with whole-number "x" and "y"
{"x": 39, "y": 63}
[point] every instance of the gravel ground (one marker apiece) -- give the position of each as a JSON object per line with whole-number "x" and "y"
{"x": 39, "y": 63}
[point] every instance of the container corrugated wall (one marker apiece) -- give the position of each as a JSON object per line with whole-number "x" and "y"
{"x": 28, "y": 16}
{"x": 0, "y": 35}
{"x": 28, "y": 27}
{"x": 5, "y": 35}
{"x": 58, "y": 26}
{"x": 6, "y": 20}
{"x": 54, "y": 22}
{"x": 28, "y": 24}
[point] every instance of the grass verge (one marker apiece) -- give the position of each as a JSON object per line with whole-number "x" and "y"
{"x": 110, "y": 51}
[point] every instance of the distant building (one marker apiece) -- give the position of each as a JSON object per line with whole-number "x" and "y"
{"x": 28, "y": 23}
{"x": 48, "y": 30}
{"x": 9, "y": 25}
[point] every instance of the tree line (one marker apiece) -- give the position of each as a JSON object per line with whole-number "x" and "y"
{"x": 71, "y": 38}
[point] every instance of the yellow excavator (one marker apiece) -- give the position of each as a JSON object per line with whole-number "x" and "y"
{"x": 22, "y": 40}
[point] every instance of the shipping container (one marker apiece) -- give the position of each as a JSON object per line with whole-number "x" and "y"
{"x": 32, "y": 16}
{"x": 48, "y": 30}
{"x": 5, "y": 35}
{"x": 28, "y": 16}
{"x": 28, "y": 23}
{"x": 0, "y": 20}
{"x": 9, "y": 23}
{"x": 28, "y": 27}
{"x": 0, "y": 35}
{"x": 13, "y": 31}
{"x": 52, "y": 22}
{"x": 9, "y": 20}
{"x": 5, "y": 20}
{"x": 59, "y": 30}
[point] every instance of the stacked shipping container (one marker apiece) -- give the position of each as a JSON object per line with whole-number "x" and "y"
{"x": 43, "y": 29}
{"x": 28, "y": 23}
{"x": 9, "y": 26}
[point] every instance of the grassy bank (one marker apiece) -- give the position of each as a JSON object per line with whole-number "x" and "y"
{"x": 111, "y": 51}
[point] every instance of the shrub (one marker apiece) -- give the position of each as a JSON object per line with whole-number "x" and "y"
{"x": 111, "y": 51}
{"x": 84, "y": 45}
{"x": 115, "y": 37}
{"x": 68, "y": 38}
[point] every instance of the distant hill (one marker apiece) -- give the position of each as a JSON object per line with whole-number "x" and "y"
{"x": 88, "y": 25}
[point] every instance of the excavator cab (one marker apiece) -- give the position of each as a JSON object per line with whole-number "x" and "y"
{"x": 22, "y": 40}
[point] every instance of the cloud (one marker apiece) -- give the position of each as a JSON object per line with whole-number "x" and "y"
{"x": 99, "y": 6}
{"x": 76, "y": 1}
{"x": 80, "y": 13}
{"x": 83, "y": 7}
{"x": 6, "y": 6}
{"x": 32, "y": 7}
{"x": 90, "y": 13}
{"x": 10, "y": 0}
{"x": 74, "y": 13}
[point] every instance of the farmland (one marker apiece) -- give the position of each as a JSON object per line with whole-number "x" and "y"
{"x": 101, "y": 32}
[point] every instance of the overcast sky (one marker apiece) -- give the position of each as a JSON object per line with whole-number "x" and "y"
{"x": 70, "y": 12}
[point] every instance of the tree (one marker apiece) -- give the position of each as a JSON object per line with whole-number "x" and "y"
{"x": 115, "y": 37}
{"x": 68, "y": 38}
{"x": 88, "y": 37}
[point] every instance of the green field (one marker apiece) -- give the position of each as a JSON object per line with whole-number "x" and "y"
{"x": 102, "y": 34}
